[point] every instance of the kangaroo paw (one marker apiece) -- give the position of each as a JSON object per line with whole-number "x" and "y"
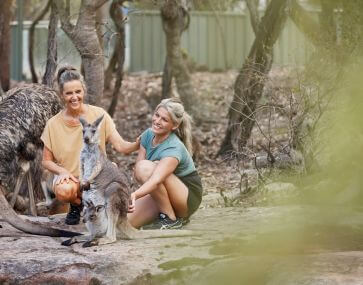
{"x": 68, "y": 242}
{"x": 106, "y": 240}
{"x": 90, "y": 243}
{"x": 85, "y": 186}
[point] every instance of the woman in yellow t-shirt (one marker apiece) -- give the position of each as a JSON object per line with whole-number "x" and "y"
{"x": 62, "y": 138}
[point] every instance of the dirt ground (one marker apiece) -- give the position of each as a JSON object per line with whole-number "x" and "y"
{"x": 214, "y": 91}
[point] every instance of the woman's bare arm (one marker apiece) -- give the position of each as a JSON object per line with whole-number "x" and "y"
{"x": 120, "y": 145}
{"x": 163, "y": 169}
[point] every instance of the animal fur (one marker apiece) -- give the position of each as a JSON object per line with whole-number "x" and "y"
{"x": 105, "y": 196}
{"x": 24, "y": 112}
{"x": 104, "y": 219}
{"x": 91, "y": 159}
{"x": 102, "y": 184}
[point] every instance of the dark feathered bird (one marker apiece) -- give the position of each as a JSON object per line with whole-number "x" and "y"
{"x": 24, "y": 112}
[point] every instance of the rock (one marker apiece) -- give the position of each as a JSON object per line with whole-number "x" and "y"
{"x": 212, "y": 200}
{"x": 280, "y": 187}
{"x": 293, "y": 160}
{"x": 263, "y": 242}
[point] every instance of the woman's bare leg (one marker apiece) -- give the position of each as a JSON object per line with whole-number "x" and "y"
{"x": 146, "y": 211}
{"x": 171, "y": 196}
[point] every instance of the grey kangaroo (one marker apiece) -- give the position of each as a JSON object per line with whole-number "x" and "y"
{"x": 105, "y": 196}
{"x": 104, "y": 188}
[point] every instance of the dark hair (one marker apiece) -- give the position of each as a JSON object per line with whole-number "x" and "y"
{"x": 69, "y": 73}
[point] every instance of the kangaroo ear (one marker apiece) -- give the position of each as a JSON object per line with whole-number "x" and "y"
{"x": 86, "y": 204}
{"x": 99, "y": 208}
{"x": 98, "y": 121}
{"x": 83, "y": 122}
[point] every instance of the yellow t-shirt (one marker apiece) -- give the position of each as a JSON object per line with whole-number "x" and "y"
{"x": 65, "y": 140}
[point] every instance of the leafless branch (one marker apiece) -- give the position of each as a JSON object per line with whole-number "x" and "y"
{"x": 64, "y": 16}
{"x": 31, "y": 40}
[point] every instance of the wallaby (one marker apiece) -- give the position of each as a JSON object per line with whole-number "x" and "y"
{"x": 106, "y": 196}
{"x": 106, "y": 220}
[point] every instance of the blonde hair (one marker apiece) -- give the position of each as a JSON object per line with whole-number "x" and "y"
{"x": 180, "y": 118}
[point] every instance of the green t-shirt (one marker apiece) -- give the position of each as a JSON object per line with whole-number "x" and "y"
{"x": 171, "y": 147}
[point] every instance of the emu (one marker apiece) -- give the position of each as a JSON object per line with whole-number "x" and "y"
{"x": 24, "y": 112}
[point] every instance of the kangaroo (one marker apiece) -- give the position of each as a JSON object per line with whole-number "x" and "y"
{"x": 105, "y": 196}
{"x": 105, "y": 217}
{"x": 91, "y": 160}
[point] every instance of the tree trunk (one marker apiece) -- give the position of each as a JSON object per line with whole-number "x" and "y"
{"x": 305, "y": 23}
{"x": 251, "y": 79}
{"x": 252, "y": 6}
{"x": 173, "y": 14}
{"x": 167, "y": 80}
{"x": 51, "y": 65}
{"x": 111, "y": 68}
{"x": 118, "y": 18}
{"x": 5, "y": 17}
{"x": 31, "y": 41}
{"x": 101, "y": 14}
{"x": 85, "y": 39}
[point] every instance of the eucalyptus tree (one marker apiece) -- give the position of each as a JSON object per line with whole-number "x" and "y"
{"x": 174, "y": 14}
{"x": 84, "y": 36}
{"x": 118, "y": 57}
{"x": 52, "y": 54}
{"x": 31, "y": 39}
{"x": 250, "y": 81}
{"x": 5, "y": 18}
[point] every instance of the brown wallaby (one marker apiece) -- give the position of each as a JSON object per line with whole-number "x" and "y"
{"x": 106, "y": 196}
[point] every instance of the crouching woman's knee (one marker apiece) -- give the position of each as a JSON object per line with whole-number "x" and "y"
{"x": 67, "y": 192}
{"x": 143, "y": 170}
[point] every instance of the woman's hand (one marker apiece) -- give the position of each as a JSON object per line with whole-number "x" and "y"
{"x": 65, "y": 177}
{"x": 120, "y": 145}
{"x": 138, "y": 140}
{"x": 132, "y": 203}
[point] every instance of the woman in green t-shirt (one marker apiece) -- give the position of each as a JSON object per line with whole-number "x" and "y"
{"x": 171, "y": 189}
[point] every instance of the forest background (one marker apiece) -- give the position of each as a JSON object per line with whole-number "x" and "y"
{"x": 265, "y": 134}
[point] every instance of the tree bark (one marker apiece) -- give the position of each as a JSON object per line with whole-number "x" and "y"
{"x": 173, "y": 13}
{"x": 118, "y": 18}
{"x": 111, "y": 68}
{"x": 51, "y": 65}
{"x": 31, "y": 40}
{"x": 166, "y": 80}
{"x": 85, "y": 39}
{"x": 5, "y": 17}
{"x": 305, "y": 23}
{"x": 251, "y": 79}
{"x": 252, "y": 6}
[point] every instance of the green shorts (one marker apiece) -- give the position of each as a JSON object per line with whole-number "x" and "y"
{"x": 194, "y": 185}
